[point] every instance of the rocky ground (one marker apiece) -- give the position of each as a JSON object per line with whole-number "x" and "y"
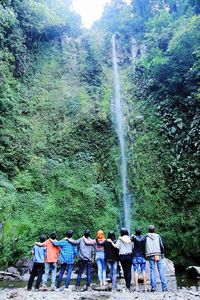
{"x": 22, "y": 294}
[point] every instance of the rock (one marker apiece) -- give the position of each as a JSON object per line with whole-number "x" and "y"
{"x": 134, "y": 48}
{"x": 23, "y": 265}
{"x": 12, "y": 270}
{"x": 8, "y": 276}
{"x": 193, "y": 271}
{"x": 14, "y": 294}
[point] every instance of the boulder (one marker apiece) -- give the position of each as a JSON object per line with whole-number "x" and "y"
{"x": 23, "y": 265}
{"x": 12, "y": 270}
{"x": 193, "y": 271}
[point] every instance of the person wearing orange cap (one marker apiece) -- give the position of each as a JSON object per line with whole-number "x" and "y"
{"x": 100, "y": 256}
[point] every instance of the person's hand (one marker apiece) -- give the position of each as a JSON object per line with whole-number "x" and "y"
{"x": 109, "y": 240}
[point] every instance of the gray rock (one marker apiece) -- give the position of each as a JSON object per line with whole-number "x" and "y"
{"x": 12, "y": 270}
{"x": 23, "y": 265}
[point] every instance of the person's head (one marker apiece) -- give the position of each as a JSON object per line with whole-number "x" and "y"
{"x": 138, "y": 231}
{"x": 69, "y": 233}
{"x": 87, "y": 233}
{"x": 111, "y": 235}
{"x": 43, "y": 238}
{"x": 151, "y": 228}
{"x": 123, "y": 231}
{"x": 53, "y": 235}
{"x": 100, "y": 235}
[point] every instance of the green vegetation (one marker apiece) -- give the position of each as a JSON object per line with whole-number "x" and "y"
{"x": 59, "y": 156}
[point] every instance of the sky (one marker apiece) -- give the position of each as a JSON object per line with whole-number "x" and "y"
{"x": 89, "y": 10}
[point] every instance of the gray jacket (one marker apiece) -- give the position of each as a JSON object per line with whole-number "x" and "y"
{"x": 86, "y": 252}
{"x": 154, "y": 245}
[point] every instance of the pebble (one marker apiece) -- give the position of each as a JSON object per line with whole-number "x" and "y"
{"x": 21, "y": 294}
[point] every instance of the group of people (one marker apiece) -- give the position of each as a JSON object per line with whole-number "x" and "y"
{"x": 108, "y": 251}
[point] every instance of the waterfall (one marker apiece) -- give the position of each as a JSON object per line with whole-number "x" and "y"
{"x": 118, "y": 112}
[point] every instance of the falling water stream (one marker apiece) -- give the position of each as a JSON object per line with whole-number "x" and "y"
{"x": 118, "y": 112}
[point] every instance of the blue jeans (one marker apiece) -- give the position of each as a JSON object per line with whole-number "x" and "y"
{"x": 68, "y": 268}
{"x": 159, "y": 264}
{"x": 84, "y": 264}
{"x": 113, "y": 273}
{"x": 101, "y": 265}
{"x": 53, "y": 268}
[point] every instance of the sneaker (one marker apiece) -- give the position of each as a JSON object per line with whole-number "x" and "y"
{"x": 77, "y": 289}
{"x": 52, "y": 288}
{"x": 88, "y": 289}
{"x": 65, "y": 290}
{"x": 57, "y": 290}
{"x": 153, "y": 290}
{"x": 165, "y": 290}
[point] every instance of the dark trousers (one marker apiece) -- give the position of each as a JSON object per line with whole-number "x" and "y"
{"x": 84, "y": 264}
{"x": 126, "y": 262}
{"x": 38, "y": 270}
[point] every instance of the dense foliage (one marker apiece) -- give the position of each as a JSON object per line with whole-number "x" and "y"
{"x": 59, "y": 155}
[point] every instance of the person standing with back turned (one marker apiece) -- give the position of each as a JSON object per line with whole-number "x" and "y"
{"x": 155, "y": 253}
{"x": 139, "y": 261}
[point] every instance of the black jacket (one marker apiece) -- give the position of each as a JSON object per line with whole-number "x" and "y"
{"x": 111, "y": 253}
{"x": 139, "y": 245}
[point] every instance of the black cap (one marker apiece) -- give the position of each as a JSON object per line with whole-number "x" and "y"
{"x": 87, "y": 233}
{"x": 138, "y": 231}
{"x": 69, "y": 233}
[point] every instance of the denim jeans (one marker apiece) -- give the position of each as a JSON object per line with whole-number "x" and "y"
{"x": 113, "y": 273}
{"x": 53, "y": 268}
{"x": 139, "y": 264}
{"x": 38, "y": 270}
{"x": 101, "y": 265}
{"x": 159, "y": 264}
{"x": 68, "y": 268}
{"x": 84, "y": 264}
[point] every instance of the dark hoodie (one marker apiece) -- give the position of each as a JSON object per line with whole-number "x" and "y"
{"x": 139, "y": 245}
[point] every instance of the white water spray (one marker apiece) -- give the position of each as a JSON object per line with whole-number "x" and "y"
{"x": 121, "y": 135}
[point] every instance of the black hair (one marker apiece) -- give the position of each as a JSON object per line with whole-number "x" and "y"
{"x": 151, "y": 228}
{"x": 111, "y": 235}
{"x": 123, "y": 231}
{"x": 87, "y": 233}
{"x": 138, "y": 231}
{"x": 43, "y": 238}
{"x": 69, "y": 233}
{"x": 53, "y": 235}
